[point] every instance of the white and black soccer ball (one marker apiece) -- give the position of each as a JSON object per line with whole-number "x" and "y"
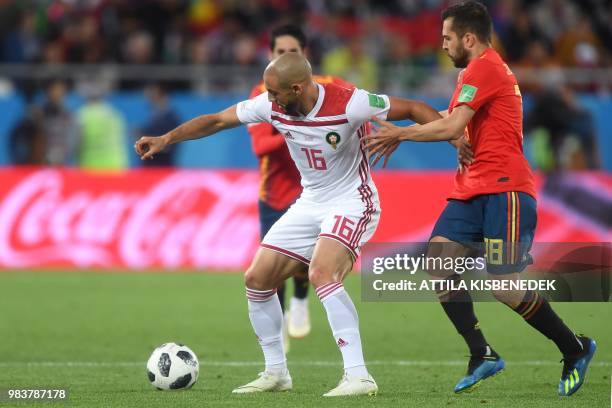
{"x": 173, "y": 366}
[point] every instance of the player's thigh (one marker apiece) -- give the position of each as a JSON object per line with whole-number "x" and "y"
{"x": 509, "y": 225}
{"x": 461, "y": 221}
{"x": 457, "y": 233}
{"x": 351, "y": 223}
{"x": 269, "y": 269}
{"x": 346, "y": 226}
{"x": 439, "y": 250}
{"x": 296, "y": 232}
{"x": 331, "y": 261}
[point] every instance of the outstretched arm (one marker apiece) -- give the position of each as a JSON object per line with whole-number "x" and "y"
{"x": 205, "y": 125}
{"x": 416, "y": 111}
{"x": 450, "y": 128}
{"x": 401, "y": 109}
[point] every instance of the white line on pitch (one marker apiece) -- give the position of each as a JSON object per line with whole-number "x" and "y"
{"x": 294, "y": 363}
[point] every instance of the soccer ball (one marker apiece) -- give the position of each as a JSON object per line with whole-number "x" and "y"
{"x": 173, "y": 366}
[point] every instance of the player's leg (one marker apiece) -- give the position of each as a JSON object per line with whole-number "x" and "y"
{"x": 343, "y": 232}
{"x": 461, "y": 222}
{"x": 268, "y": 269}
{"x": 508, "y": 244}
{"x": 285, "y": 250}
{"x": 331, "y": 261}
{"x": 298, "y": 320}
{"x": 267, "y": 217}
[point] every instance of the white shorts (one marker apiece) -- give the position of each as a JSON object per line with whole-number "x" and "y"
{"x": 351, "y": 222}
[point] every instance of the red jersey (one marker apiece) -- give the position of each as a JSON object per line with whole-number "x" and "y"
{"x": 495, "y": 131}
{"x": 280, "y": 183}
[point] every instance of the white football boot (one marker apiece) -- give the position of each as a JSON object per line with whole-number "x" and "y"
{"x": 354, "y": 386}
{"x": 267, "y": 382}
{"x": 299, "y": 318}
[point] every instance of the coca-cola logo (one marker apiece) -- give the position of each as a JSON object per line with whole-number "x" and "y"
{"x": 202, "y": 219}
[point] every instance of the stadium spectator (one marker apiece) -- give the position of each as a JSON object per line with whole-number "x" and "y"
{"x": 163, "y": 119}
{"x": 519, "y": 35}
{"x": 102, "y": 142}
{"x": 22, "y": 43}
{"x": 561, "y": 132}
{"x": 406, "y": 71}
{"x": 353, "y": 64}
{"x": 58, "y": 127}
{"x": 579, "y": 46}
{"x": 26, "y": 141}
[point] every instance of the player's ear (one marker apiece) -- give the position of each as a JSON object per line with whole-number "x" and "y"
{"x": 297, "y": 89}
{"x": 469, "y": 40}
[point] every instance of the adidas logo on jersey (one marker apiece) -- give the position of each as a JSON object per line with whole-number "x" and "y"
{"x": 342, "y": 342}
{"x": 288, "y": 135}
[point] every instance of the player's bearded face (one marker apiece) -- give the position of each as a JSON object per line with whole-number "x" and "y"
{"x": 452, "y": 43}
{"x": 286, "y": 99}
{"x": 459, "y": 55}
{"x": 283, "y": 96}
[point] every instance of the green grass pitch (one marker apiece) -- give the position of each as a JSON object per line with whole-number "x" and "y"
{"x": 93, "y": 332}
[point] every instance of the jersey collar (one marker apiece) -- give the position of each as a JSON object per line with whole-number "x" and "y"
{"x": 317, "y": 106}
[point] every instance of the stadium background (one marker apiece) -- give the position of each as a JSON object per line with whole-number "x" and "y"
{"x": 69, "y": 215}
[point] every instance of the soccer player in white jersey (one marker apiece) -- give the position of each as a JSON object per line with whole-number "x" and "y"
{"x": 337, "y": 212}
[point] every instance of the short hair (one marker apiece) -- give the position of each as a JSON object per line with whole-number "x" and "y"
{"x": 291, "y": 30}
{"x": 470, "y": 16}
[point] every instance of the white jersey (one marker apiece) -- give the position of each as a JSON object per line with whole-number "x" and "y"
{"x": 326, "y": 144}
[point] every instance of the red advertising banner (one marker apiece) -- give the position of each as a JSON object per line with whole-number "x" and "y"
{"x": 207, "y": 219}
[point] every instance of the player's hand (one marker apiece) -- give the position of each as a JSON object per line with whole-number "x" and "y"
{"x": 383, "y": 142}
{"x": 465, "y": 156}
{"x": 146, "y": 147}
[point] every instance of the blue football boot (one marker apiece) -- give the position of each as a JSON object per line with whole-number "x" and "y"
{"x": 480, "y": 368}
{"x": 575, "y": 368}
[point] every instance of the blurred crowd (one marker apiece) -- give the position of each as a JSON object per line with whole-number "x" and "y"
{"x": 391, "y": 45}
{"x": 234, "y": 32}
{"x": 94, "y": 137}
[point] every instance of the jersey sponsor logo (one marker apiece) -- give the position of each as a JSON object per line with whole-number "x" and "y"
{"x": 376, "y": 101}
{"x": 333, "y": 138}
{"x": 468, "y": 93}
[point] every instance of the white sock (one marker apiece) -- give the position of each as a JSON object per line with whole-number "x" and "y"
{"x": 344, "y": 323}
{"x": 267, "y": 321}
{"x": 297, "y": 302}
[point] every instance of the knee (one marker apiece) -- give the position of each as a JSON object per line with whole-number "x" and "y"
{"x": 255, "y": 280}
{"x": 319, "y": 275}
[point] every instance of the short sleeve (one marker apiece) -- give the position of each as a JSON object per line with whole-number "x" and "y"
{"x": 363, "y": 105}
{"x": 255, "y": 110}
{"x": 480, "y": 83}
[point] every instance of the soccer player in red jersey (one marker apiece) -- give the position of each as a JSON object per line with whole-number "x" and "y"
{"x": 280, "y": 183}
{"x": 493, "y": 199}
